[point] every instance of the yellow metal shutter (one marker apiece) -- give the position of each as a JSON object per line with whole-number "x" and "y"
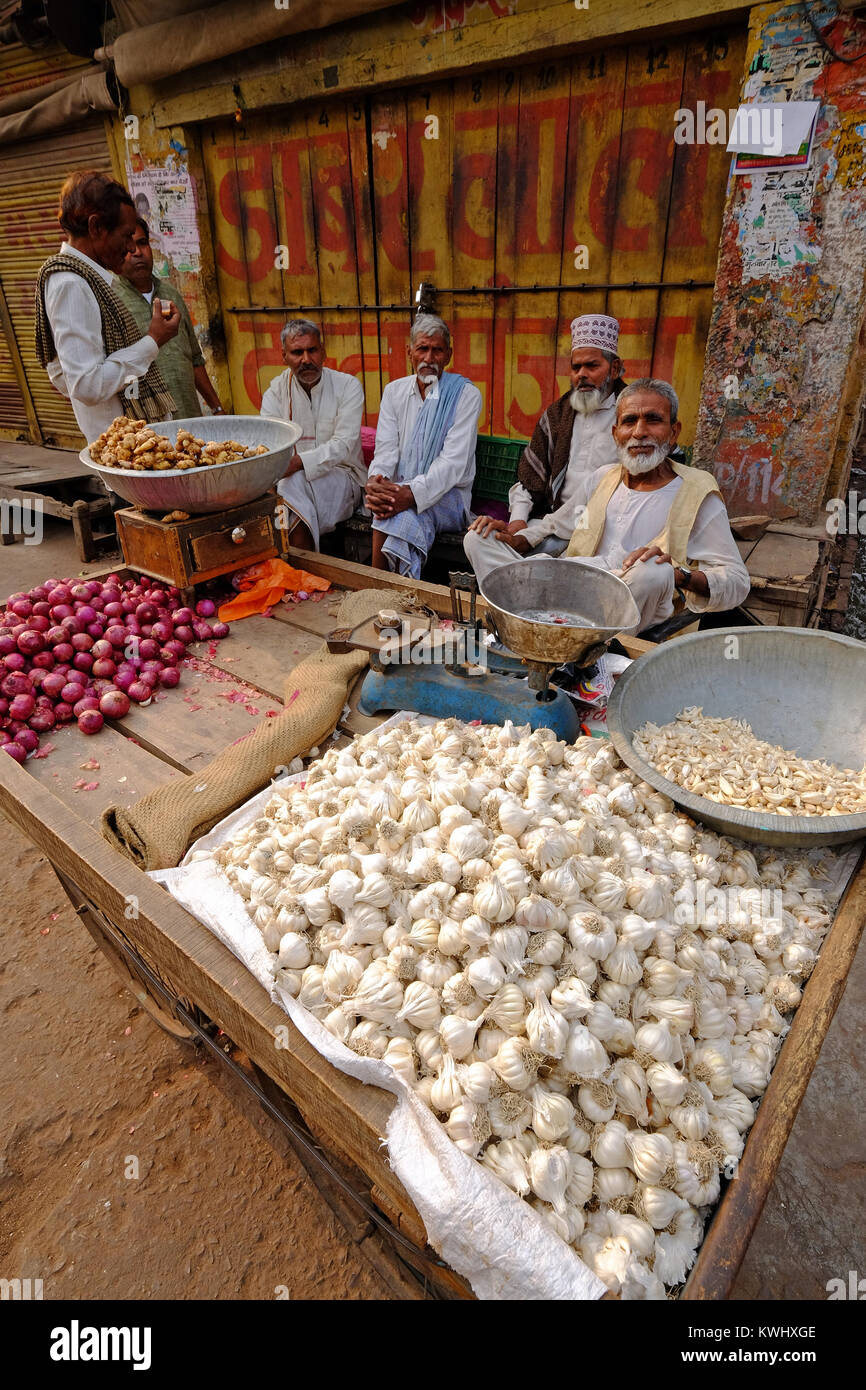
{"x": 31, "y": 175}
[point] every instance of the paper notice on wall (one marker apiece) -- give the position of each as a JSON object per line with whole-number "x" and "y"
{"x": 165, "y": 198}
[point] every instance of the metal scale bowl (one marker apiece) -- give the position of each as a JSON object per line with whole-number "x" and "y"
{"x": 485, "y": 684}
{"x": 230, "y": 512}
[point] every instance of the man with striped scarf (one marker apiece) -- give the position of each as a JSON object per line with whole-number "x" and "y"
{"x": 88, "y": 341}
{"x": 420, "y": 479}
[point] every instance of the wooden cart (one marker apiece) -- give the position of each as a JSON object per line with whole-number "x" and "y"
{"x": 194, "y": 986}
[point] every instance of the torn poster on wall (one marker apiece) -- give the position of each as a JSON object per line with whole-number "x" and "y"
{"x": 165, "y": 198}
{"x": 777, "y": 229}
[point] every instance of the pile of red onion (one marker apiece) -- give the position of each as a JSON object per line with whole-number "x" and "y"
{"x": 84, "y": 650}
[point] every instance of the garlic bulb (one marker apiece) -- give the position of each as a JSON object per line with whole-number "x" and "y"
{"x": 514, "y": 1064}
{"x": 458, "y": 1034}
{"x": 552, "y": 1113}
{"x": 507, "y": 1008}
{"x": 509, "y": 1165}
{"x": 420, "y": 1005}
{"x": 476, "y": 1081}
{"x": 549, "y": 1171}
{"x": 592, "y": 934}
{"x": 668, "y": 1084}
{"x": 650, "y": 1155}
{"x": 492, "y": 901}
{"x": 486, "y": 975}
{"x": 446, "y": 1092}
{"x": 341, "y": 975}
{"x": 584, "y": 1055}
{"x": 547, "y": 1030}
{"x": 609, "y": 1145}
{"x": 571, "y": 998}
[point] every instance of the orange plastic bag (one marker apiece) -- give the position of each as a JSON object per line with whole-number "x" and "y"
{"x": 264, "y": 585}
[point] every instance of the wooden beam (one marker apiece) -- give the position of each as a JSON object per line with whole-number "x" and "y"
{"x": 388, "y": 49}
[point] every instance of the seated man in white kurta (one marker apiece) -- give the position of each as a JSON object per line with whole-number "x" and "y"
{"x": 659, "y": 524}
{"x": 571, "y": 441}
{"x": 420, "y": 479}
{"x": 325, "y": 477}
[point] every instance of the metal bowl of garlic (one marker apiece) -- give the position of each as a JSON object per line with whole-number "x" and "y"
{"x": 216, "y": 486}
{"x": 800, "y": 690}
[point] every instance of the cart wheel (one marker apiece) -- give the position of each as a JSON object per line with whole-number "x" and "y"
{"x": 104, "y": 934}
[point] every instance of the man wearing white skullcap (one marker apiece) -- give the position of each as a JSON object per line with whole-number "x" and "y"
{"x": 569, "y": 445}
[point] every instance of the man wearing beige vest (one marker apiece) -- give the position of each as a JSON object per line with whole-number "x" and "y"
{"x": 659, "y": 524}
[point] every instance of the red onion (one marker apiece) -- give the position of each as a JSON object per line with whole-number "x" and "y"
{"x": 78, "y": 675}
{"x": 4, "y": 708}
{"x": 114, "y": 704}
{"x": 22, "y": 707}
{"x": 167, "y": 658}
{"x": 158, "y": 597}
{"x": 14, "y": 662}
{"x": 30, "y": 643}
{"x": 86, "y": 612}
{"x": 205, "y": 608}
{"x": 177, "y": 648}
{"x": 60, "y": 592}
{"x": 90, "y": 721}
{"x": 115, "y": 635}
{"x": 184, "y": 634}
{"x": 64, "y": 651}
{"x": 43, "y": 661}
{"x": 60, "y": 611}
{"x": 16, "y": 683}
{"x": 28, "y": 739}
{"x": 113, "y": 610}
{"x": 162, "y": 631}
{"x": 124, "y": 679}
{"x": 169, "y": 677}
{"x": 145, "y": 613}
{"x": 202, "y": 630}
{"x": 220, "y": 630}
{"x": 42, "y": 720}
{"x": 15, "y": 751}
{"x": 56, "y": 634}
{"x": 133, "y": 627}
{"x": 183, "y": 616}
{"x": 63, "y": 712}
{"x": 104, "y": 668}
{"x": 140, "y": 692}
{"x": 4, "y": 737}
{"x": 72, "y": 624}
{"x": 111, "y": 594}
{"x": 97, "y": 602}
{"x": 53, "y": 684}
{"x": 7, "y": 644}
{"x": 102, "y": 650}
{"x": 71, "y": 692}
{"x": 22, "y": 607}
{"x": 150, "y": 678}
{"x": 86, "y": 702}
{"x": 82, "y": 641}
{"x": 38, "y": 623}
{"x": 129, "y": 604}
{"x": 41, "y": 609}
{"x": 148, "y": 649}
{"x": 15, "y": 726}
{"x": 80, "y": 591}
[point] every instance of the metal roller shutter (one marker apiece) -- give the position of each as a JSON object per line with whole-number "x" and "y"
{"x": 31, "y": 176}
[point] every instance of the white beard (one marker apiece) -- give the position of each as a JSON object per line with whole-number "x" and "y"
{"x": 636, "y": 464}
{"x": 588, "y": 402}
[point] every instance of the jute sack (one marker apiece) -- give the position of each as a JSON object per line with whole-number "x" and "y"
{"x": 156, "y": 831}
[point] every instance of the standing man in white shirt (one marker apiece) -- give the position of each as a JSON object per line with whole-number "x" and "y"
{"x": 571, "y": 441}
{"x": 88, "y": 341}
{"x": 325, "y": 477}
{"x": 421, "y": 476}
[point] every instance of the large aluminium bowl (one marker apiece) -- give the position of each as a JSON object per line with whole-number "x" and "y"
{"x": 799, "y": 689}
{"x": 547, "y": 583}
{"x": 212, "y": 487}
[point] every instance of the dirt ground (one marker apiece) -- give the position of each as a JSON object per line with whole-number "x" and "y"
{"x": 220, "y": 1207}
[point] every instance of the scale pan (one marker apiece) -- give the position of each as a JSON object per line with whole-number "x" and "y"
{"x": 600, "y": 604}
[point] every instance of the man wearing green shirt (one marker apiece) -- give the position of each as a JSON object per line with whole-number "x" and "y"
{"x": 180, "y": 360}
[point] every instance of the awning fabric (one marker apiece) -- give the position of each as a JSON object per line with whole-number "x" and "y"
{"x": 164, "y": 49}
{"x": 69, "y": 103}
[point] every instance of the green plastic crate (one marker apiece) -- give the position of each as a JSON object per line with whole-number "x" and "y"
{"x": 496, "y": 461}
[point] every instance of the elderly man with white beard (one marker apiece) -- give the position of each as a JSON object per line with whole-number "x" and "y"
{"x": 659, "y": 524}
{"x": 570, "y": 443}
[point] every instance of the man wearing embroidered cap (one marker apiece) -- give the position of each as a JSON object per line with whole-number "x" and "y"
{"x": 570, "y": 443}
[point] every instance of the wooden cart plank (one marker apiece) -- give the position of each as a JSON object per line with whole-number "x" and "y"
{"x": 739, "y": 1211}
{"x": 353, "y": 1116}
{"x": 125, "y": 770}
{"x": 312, "y": 615}
{"x": 260, "y": 651}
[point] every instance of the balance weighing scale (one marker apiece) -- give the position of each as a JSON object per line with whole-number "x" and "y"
{"x": 454, "y": 672}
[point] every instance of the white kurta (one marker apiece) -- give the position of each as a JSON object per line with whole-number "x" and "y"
{"x": 328, "y": 488}
{"x": 81, "y": 371}
{"x": 453, "y": 467}
{"x": 633, "y": 520}
{"x": 592, "y": 448}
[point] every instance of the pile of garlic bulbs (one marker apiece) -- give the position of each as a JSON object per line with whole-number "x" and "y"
{"x": 582, "y": 985}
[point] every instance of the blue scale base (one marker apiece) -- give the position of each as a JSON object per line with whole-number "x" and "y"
{"x": 435, "y": 691}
